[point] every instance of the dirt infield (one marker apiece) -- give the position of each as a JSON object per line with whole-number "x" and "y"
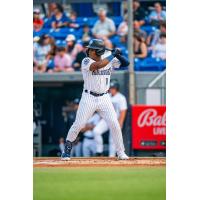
{"x": 99, "y": 162}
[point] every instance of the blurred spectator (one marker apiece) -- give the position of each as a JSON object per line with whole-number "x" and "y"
{"x": 108, "y": 43}
{"x": 59, "y": 19}
{"x": 140, "y": 47}
{"x": 52, "y": 52}
{"x": 159, "y": 49}
{"x": 62, "y": 61}
{"x": 41, "y": 50}
{"x": 37, "y": 21}
{"x": 72, "y": 47}
{"x": 73, "y": 20}
{"x": 138, "y": 30}
{"x": 157, "y": 15}
{"x": 153, "y": 38}
{"x": 87, "y": 35}
{"x": 139, "y": 12}
{"x": 80, "y": 56}
{"x": 104, "y": 27}
{"x": 35, "y": 40}
{"x": 124, "y": 39}
{"x": 51, "y": 8}
{"x": 123, "y": 27}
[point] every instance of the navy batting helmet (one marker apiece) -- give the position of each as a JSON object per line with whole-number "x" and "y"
{"x": 114, "y": 84}
{"x": 97, "y": 45}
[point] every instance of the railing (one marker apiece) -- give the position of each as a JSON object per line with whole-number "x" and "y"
{"x": 151, "y": 90}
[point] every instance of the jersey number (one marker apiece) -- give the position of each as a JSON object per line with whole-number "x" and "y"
{"x": 106, "y": 81}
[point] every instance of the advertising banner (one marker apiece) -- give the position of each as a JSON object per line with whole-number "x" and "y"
{"x": 148, "y": 127}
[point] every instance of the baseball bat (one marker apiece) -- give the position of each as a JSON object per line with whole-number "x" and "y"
{"x": 108, "y": 49}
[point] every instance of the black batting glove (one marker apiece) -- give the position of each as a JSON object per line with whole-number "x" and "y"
{"x": 116, "y": 52}
{"x": 123, "y": 60}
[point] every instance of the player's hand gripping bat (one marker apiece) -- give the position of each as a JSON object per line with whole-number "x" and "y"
{"x": 117, "y": 53}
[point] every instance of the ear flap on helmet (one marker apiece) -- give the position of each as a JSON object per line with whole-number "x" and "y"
{"x": 87, "y": 52}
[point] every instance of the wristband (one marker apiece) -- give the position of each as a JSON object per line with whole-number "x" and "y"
{"x": 110, "y": 57}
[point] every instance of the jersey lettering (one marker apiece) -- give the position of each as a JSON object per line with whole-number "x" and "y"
{"x": 102, "y": 72}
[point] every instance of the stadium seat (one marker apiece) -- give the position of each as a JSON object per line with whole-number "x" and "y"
{"x": 117, "y": 20}
{"x": 115, "y": 40}
{"x": 58, "y": 34}
{"x": 47, "y": 23}
{"x": 41, "y": 32}
{"x": 149, "y": 29}
{"x": 150, "y": 64}
{"x": 85, "y": 20}
{"x": 50, "y": 64}
{"x": 60, "y": 43}
{"x": 137, "y": 63}
{"x": 92, "y": 21}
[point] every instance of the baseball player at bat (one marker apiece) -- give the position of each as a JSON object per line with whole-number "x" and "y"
{"x": 96, "y": 72}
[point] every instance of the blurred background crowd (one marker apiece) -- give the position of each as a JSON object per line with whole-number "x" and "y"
{"x": 60, "y": 34}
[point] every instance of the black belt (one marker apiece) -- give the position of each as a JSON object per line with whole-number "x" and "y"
{"x": 95, "y": 94}
{"x": 88, "y": 137}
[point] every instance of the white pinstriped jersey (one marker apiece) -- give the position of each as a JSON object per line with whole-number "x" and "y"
{"x": 99, "y": 80}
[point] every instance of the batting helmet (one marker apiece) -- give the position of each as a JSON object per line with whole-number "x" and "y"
{"x": 76, "y": 101}
{"x": 114, "y": 84}
{"x": 97, "y": 45}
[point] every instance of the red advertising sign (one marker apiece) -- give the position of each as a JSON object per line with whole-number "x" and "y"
{"x": 148, "y": 127}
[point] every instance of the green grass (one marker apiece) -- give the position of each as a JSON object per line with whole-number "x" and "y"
{"x": 99, "y": 184}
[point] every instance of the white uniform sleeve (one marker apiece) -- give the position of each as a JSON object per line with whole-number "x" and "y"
{"x": 115, "y": 63}
{"x": 123, "y": 103}
{"x": 86, "y": 62}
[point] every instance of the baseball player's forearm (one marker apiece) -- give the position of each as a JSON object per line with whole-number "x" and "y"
{"x": 122, "y": 117}
{"x": 100, "y": 64}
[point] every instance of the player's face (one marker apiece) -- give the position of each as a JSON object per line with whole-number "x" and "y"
{"x": 92, "y": 53}
{"x": 113, "y": 91}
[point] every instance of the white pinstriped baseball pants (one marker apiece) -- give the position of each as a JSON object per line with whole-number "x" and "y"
{"x": 103, "y": 105}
